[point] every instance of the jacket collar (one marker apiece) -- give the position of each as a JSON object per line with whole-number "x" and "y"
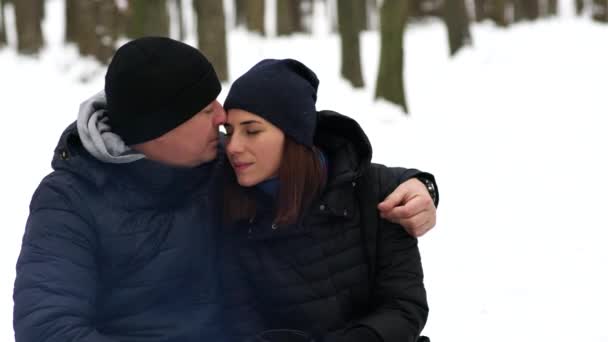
{"x": 142, "y": 183}
{"x": 345, "y": 145}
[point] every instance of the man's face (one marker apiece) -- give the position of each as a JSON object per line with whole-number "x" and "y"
{"x": 190, "y": 144}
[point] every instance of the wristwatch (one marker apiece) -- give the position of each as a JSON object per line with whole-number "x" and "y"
{"x": 430, "y": 187}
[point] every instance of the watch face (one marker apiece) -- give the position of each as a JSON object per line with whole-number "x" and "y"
{"x": 430, "y": 186}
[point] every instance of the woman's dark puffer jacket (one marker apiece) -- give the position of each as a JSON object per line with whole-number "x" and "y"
{"x": 314, "y": 276}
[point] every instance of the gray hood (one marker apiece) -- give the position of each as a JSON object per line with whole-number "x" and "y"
{"x": 96, "y": 135}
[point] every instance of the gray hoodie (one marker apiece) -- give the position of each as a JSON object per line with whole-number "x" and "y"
{"x": 96, "y": 135}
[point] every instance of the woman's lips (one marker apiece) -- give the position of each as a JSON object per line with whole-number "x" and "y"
{"x": 240, "y": 167}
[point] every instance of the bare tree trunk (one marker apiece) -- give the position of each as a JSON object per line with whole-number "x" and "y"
{"x": 372, "y": 16}
{"x": 211, "y": 27}
{"x": 71, "y": 20}
{"x": 456, "y": 19}
{"x": 255, "y": 16}
{"x": 289, "y": 17}
{"x": 306, "y": 13}
{"x": 240, "y": 9}
{"x": 349, "y": 34}
{"x": 499, "y": 12}
{"x": 42, "y": 10}
{"x": 97, "y": 28}
{"x": 148, "y": 18}
{"x": 425, "y": 8}
{"x": 530, "y": 9}
{"x": 123, "y": 15}
{"x": 552, "y": 7}
{"x": 181, "y": 33}
{"x": 600, "y": 10}
{"x": 415, "y": 8}
{"x": 580, "y": 6}
{"x": 28, "y": 15}
{"x": 3, "y": 40}
{"x": 518, "y": 10}
{"x": 360, "y": 15}
{"x": 389, "y": 86}
{"x": 106, "y": 30}
{"x": 85, "y": 18}
{"x": 480, "y": 10}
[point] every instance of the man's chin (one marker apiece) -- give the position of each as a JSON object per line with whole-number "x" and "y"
{"x": 209, "y": 157}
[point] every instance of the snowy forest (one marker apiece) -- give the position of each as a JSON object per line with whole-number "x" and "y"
{"x": 96, "y": 27}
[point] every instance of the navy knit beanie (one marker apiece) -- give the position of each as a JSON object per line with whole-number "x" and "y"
{"x": 155, "y": 84}
{"x": 284, "y": 92}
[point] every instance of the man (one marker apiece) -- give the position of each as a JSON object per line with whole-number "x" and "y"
{"x": 120, "y": 240}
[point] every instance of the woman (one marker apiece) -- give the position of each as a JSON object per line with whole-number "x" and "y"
{"x": 305, "y": 250}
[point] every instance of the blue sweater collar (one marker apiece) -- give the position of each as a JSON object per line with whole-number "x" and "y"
{"x": 270, "y": 187}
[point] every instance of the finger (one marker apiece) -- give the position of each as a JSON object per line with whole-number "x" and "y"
{"x": 420, "y": 231}
{"x": 418, "y": 226}
{"x": 418, "y": 205}
{"x": 410, "y": 209}
{"x": 396, "y": 214}
{"x": 416, "y": 222}
{"x": 395, "y": 198}
{"x": 424, "y": 222}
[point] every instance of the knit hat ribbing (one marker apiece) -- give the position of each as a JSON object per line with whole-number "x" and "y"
{"x": 155, "y": 84}
{"x": 284, "y": 92}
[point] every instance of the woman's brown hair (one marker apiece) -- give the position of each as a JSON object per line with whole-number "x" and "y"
{"x": 300, "y": 180}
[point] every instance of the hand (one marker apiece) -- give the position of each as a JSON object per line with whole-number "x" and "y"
{"x": 411, "y": 206}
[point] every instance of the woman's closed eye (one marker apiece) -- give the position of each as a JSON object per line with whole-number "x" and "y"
{"x": 228, "y": 130}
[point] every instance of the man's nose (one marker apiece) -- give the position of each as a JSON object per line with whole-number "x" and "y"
{"x": 220, "y": 117}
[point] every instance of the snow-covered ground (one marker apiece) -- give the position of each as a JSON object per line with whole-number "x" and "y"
{"x": 514, "y": 129}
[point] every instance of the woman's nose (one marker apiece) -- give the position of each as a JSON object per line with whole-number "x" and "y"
{"x": 233, "y": 145}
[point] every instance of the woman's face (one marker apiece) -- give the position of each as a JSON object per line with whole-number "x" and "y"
{"x": 254, "y": 147}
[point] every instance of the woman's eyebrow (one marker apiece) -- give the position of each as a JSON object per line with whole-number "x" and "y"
{"x": 248, "y": 122}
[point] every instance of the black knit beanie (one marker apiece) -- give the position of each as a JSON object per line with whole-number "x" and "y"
{"x": 155, "y": 84}
{"x": 284, "y": 92}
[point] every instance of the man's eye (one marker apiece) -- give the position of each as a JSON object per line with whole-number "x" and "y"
{"x": 252, "y": 132}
